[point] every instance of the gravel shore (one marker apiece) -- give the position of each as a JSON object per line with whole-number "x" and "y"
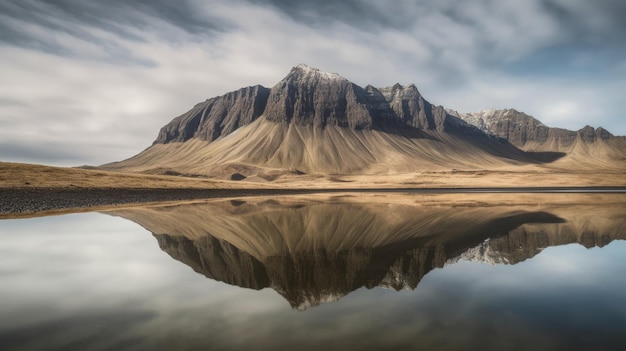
{"x": 15, "y": 201}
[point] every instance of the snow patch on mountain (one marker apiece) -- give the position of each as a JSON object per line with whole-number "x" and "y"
{"x": 396, "y": 280}
{"x": 483, "y": 253}
{"x": 310, "y": 301}
{"x": 309, "y": 71}
{"x": 485, "y": 119}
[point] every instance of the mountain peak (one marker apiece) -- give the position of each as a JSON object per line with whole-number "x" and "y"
{"x": 307, "y": 73}
{"x": 304, "y": 67}
{"x": 528, "y": 133}
{"x": 309, "y": 96}
{"x": 399, "y": 91}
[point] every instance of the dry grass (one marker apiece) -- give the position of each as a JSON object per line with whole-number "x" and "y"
{"x": 502, "y": 178}
{"x": 17, "y": 175}
{"x": 18, "y": 183}
{"x": 20, "y": 175}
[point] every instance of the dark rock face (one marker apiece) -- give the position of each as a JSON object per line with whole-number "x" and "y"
{"x": 522, "y": 243}
{"x": 217, "y": 116}
{"x": 309, "y": 278}
{"x": 590, "y": 135}
{"x": 406, "y": 106}
{"x": 216, "y": 259}
{"x": 310, "y": 97}
{"x": 521, "y": 129}
{"x": 307, "y": 96}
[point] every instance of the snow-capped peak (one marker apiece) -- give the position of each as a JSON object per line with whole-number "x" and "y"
{"x": 483, "y": 252}
{"x": 310, "y": 301}
{"x": 483, "y": 119}
{"x": 309, "y": 71}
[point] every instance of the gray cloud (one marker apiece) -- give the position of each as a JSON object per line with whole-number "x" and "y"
{"x": 575, "y": 18}
{"x": 111, "y": 14}
{"x": 95, "y": 81}
{"x": 50, "y": 25}
{"x": 598, "y": 21}
{"x": 461, "y": 35}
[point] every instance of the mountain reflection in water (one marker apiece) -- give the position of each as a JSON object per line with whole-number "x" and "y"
{"x": 319, "y": 249}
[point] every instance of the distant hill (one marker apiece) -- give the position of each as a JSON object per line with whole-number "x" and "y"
{"x": 586, "y": 147}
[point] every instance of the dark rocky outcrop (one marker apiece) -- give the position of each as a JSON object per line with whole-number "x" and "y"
{"x": 519, "y": 128}
{"x": 216, "y": 259}
{"x": 309, "y": 278}
{"x": 308, "y": 96}
{"x": 405, "y": 106}
{"x": 217, "y": 116}
{"x": 525, "y": 131}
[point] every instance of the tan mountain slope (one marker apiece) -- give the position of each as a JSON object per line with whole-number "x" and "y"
{"x": 333, "y": 149}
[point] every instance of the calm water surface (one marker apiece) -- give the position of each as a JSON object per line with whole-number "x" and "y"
{"x": 310, "y": 273}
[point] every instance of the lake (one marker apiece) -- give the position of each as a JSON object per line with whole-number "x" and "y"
{"x": 350, "y": 272}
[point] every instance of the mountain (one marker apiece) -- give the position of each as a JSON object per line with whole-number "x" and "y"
{"x": 586, "y": 146}
{"x": 313, "y": 250}
{"x": 307, "y": 97}
{"x": 320, "y": 123}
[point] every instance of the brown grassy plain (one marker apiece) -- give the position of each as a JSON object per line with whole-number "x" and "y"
{"x": 30, "y": 190}
{"x": 18, "y": 175}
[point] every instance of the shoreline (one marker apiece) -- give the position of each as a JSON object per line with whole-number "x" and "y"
{"x": 35, "y": 201}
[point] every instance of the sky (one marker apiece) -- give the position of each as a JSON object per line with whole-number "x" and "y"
{"x": 91, "y": 82}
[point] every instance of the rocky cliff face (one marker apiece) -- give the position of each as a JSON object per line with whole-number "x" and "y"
{"x": 216, "y": 259}
{"x": 529, "y": 240}
{"x": 526, "y": 132}
{"x": 404, "y": 105}
{"x": 309, "y": 97}
{"x": 309, "y": 278}
{"x": 217, "y": 116}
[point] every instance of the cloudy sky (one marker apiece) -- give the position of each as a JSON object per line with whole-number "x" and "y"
{"x": 89, "y": 82}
